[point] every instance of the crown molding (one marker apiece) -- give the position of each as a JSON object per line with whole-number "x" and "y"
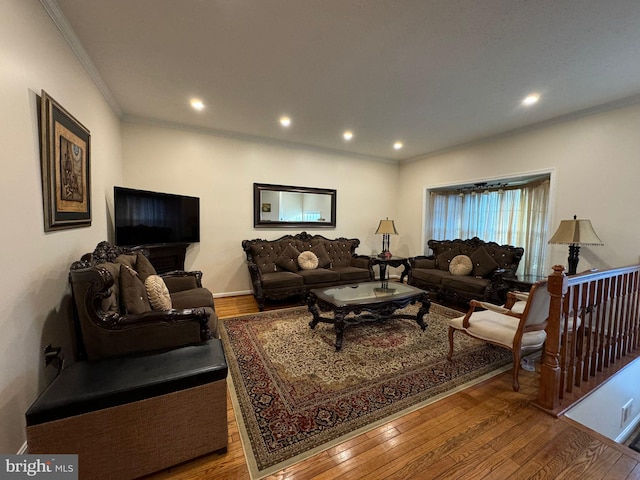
{"x": 53, "y": 10}
{"x": 252, "y": 138}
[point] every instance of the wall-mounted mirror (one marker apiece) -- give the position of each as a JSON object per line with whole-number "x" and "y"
{"x": 286, "y": 206}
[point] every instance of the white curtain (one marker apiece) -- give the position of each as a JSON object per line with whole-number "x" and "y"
{"x": 514, "y": 216}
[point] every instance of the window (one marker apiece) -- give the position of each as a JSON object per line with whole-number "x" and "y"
{"x": 502, "y": 213}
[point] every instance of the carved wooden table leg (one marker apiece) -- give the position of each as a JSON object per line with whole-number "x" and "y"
{"x": 339, "y": 327}
{"x": 313, "y": 308}
{"x": 426, "y": 305}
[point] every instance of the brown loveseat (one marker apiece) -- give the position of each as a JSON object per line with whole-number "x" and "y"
{"x": 480, "y": 270}
{"x": 116, "y": 315}
{"x": 276, "y": 273}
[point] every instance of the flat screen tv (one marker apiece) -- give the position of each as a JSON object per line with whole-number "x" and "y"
{"x": 154, "y": 218}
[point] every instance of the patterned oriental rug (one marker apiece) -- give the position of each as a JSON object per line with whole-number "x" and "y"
{"x": 294, "y": 395}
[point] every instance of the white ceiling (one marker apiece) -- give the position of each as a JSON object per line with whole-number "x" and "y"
{"x": 431, "y": 73}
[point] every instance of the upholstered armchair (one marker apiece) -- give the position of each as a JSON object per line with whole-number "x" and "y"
{"x": 519, "y": 325}
{"x": 123, "y": 307}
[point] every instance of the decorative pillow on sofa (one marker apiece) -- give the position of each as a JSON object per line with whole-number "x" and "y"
{"x": 321, "y": 253}
{"x": 143, "y": 266}
{"x": 445, "y": 258}
{"x": 308, "y": 260}
{"x": 158, "y": 293}
{"x": 483, "y": 263}
{"x": 461, "y": 265}
{"x": 132, "y": 292}
{"x": 288, "y": 259}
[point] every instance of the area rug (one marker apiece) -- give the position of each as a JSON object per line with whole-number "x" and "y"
{"x": 294, "y": 395}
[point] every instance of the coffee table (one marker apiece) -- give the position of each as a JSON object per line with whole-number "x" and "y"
{"x": 379, "y": 299}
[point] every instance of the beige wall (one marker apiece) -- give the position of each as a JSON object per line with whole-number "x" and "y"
{"x": 221, "y": 171}
{"x": 35, "y": 307}
{"x": 595, "y": 171}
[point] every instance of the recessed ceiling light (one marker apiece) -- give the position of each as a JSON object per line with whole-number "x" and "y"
{"x": 285, "y": 121}
{"x": 397, "y": 145}
{"x": 531, "y": 99}
{"x": 348, "y": 135}
{"x": 197, "y": 104}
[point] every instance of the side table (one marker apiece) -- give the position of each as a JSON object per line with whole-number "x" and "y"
{"x": 394, "y": 262}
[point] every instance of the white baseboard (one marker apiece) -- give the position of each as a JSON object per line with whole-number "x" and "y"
{"x": 232, "y": 294}
{"x": 23, "y": 449}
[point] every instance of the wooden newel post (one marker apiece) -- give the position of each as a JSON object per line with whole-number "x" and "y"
{"x": 549, "y": 395}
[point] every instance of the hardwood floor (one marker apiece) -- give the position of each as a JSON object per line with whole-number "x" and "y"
{"x": 487, "y": 431}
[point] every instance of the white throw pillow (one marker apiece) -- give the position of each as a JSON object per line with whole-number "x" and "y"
{"x": 460, "y": 265}
{"x": 308, "y": 260}
{"x": 158, "y": 293}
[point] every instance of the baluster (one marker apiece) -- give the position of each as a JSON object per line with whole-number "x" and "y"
{"x": 578, "y": 337}
{"x": 589, "y": 332}
{"x": 601, "y": 322}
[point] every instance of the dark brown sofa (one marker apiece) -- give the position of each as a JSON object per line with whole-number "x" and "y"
{"x": 114, "y": 312}
{"x": 489, "y": 267}
{"x": 276, "y": 274}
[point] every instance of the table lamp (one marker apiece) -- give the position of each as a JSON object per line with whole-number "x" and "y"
{"x": 575, "y": 233}
{"x": 386, "y": 228}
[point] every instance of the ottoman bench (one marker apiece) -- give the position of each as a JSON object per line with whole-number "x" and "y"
{"x": 130, "y": 416}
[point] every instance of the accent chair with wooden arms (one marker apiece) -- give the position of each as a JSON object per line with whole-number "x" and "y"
{"x": 519, "y": 325}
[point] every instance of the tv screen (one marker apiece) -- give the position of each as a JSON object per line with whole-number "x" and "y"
{"x": 151, "y": 218}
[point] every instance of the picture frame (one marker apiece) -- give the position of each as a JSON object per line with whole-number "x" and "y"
{"x": 65, "y": 154}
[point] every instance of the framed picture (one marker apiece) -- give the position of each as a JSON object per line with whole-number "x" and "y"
{"x": 65, "y": 159}
{"x": 266, "y": 207}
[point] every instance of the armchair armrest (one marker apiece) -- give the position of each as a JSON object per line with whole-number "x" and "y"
{"x": 179, "y": 280}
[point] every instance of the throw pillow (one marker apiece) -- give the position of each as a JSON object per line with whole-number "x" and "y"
{"x": 132, "y": 292}
{"x": 461, "y": 265}
{"x": 445, "y": 258}
{"x": 288, "y": 259}
{"x": 483, "y": 263}
{"x": 128, "y": 259}
{"x": 158, "y": 293}
{"x": 321, "y": 253}
{"x": 308, "y": 260}
{"x": 143, "y": 266}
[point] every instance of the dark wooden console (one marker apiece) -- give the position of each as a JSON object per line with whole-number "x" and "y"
{"x": 166, "y": 258}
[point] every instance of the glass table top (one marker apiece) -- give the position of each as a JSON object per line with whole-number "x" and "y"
{"x": 369, "y": 292}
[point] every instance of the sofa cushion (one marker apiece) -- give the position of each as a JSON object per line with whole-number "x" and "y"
{"x": 158, "y": 293}
{"x": 281, "y": 279}
{"x": 466, "y": 284}
{"x": 321, "y": 253}
{"x": 424, "y": 263}
{"x": 194, "y": 298}
{"x": 132, "y": 292}
{"x": 352, "y": 274}
{"x": 319, "y": 275}
{"x": 288, "y": 259}
{"x": 430, "y": 275}
{"x": 339, "y": 252}
{"x": 307, "y": 260}
{"x": 444, "y": 259}
{"x": 143, "y": 266}
{"x": 483, "y": 263}
{"x": 461, "y": 265}
{"x": 495, "y": 327}
{"x": 128, "y": 259}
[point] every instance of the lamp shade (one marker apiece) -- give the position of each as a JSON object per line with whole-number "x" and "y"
{"x": 575, "y": 232}
{"x": 387, "y": 227}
